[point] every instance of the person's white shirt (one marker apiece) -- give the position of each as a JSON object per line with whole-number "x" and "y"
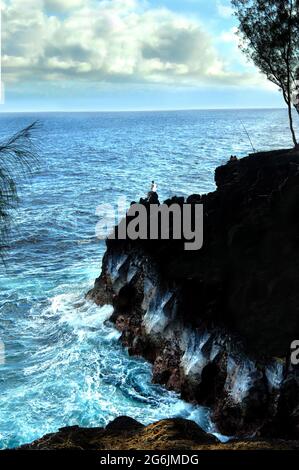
{"x": 154, "y": 187}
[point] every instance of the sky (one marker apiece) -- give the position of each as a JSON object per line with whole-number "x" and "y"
{"x": 102, "y": 55}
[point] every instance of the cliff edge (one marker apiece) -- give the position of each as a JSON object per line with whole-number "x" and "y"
{"x": 217, "y": 324}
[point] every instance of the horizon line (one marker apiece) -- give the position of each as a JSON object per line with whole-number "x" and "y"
{"x": 146, "y": 110}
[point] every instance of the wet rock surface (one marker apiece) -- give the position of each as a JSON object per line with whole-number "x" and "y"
{"x": 217, "y": 324}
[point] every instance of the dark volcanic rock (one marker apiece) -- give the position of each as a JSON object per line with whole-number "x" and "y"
{"x": 123, "y": 424}
{"x": 168, "y": 434}
{"x": 125, "y": 432}
{"x": 217, "y": 324}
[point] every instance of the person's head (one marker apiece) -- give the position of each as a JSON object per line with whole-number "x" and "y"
{"x": 153, "y": 182}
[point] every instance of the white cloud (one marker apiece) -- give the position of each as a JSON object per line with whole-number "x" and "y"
{"x": 62, "y": 6}
{"x": 108, "y": 41}
{"x": 230, "y": 36}
{"x": 224, "y": 10}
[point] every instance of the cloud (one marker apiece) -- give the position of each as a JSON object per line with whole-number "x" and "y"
{"x": 108, "y": 41}
{"x": 61, "y": 6}
{"x": 230, "y": 36}
{"x": 224, "y": 10}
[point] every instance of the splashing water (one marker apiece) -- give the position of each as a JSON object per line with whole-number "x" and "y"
{"x": 72, "y": 370}
{"x": 63, "y": 362}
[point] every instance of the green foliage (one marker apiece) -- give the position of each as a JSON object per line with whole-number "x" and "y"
{"x": 269, "y": 33}
{"x": 18, "y": 155}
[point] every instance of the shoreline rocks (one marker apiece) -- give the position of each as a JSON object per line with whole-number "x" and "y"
{"x": 217, "y": 324}
{"x": 127, "y": 434}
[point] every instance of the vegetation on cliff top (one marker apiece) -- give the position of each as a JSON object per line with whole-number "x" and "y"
{"x": 269, "y": 32}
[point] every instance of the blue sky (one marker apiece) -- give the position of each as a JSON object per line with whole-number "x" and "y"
{"x": 126, "y": 55}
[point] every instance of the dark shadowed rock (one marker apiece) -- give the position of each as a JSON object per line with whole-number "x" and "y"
{"x": 217, "y": 324}
{"x": 123, "y": 424}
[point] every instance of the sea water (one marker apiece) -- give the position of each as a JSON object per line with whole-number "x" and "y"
{"x": 63, "y": 363}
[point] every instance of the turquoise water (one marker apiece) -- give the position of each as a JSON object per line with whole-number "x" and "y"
{"x": 63, "y": 364}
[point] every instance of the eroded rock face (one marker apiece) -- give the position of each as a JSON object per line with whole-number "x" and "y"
{"x": 217, "y": 324}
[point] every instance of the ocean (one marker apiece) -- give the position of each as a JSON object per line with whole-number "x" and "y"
{"x": 63, "y": 363}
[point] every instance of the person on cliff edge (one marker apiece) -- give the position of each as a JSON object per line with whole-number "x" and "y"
{"x": 152, "y": 196}
{"x": 154, "y": 187}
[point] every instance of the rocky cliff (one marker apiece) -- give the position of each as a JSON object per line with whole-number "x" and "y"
{"x": 217, "y": 323}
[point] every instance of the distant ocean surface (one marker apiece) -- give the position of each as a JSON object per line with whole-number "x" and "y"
{"x": 64, "y": 365}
